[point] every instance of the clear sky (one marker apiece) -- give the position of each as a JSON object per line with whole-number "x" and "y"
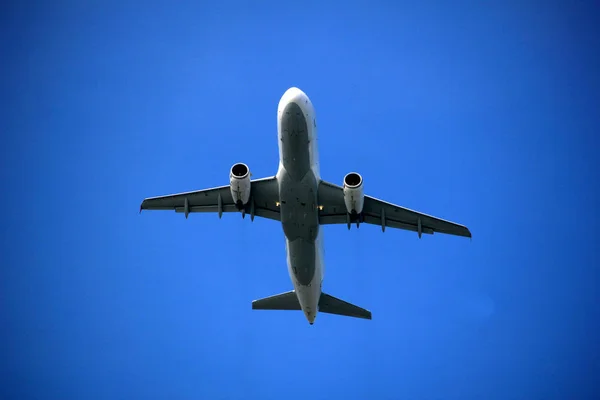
{"x": 484, "y": 114}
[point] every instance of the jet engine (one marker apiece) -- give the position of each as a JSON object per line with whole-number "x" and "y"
{"x": 354, "y": 195}
{"x": 239, "y": 181}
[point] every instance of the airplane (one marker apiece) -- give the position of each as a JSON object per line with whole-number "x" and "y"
{"x": 301, "y": 201}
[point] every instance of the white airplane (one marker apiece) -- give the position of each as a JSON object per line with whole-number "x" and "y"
{"x": 302, "y": 202}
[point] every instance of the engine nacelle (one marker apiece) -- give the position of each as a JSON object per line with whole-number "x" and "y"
{"x": 239, "y": 181}
{"x": 354, "y": 195}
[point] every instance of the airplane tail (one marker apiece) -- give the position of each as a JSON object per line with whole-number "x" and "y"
{"x": 282, "y": 301}
{"x": 327, "y": 304}
{"x": 332, "y": 305}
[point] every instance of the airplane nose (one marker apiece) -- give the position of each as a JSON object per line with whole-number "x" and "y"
{"x": 293, "y": 92}
{"x": 292, "y": 95}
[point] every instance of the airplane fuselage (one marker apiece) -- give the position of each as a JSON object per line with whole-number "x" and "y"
{"x": 298, "y": 177}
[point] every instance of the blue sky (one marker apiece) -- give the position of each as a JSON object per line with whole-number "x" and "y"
{"x": 484, "y": 114}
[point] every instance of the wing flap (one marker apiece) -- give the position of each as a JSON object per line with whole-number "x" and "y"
{"x": 211, "y": 208}
{"x": 376, "y": 220}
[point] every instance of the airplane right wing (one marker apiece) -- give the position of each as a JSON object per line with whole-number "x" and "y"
{"x": 264, "y": 195}
{"x": 379, "y": 212}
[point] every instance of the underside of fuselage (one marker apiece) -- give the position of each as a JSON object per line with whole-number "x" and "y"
{"x": 298, "y": 187}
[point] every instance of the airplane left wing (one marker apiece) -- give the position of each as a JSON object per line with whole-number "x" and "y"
{"x": 379, "y": 212}
{"x": 264, "y": 194}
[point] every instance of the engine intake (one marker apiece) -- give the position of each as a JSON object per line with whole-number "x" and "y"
{"x": 239, "y": 181}
{"x": 354, "y": 195}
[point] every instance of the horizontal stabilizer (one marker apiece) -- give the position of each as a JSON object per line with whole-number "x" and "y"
{"x": 282, "y": 301}
{"x": 331, "y": 305}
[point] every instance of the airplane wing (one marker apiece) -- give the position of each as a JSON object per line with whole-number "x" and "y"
{"x": 264, "y": 195}
{"x": 378, "y": 212}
